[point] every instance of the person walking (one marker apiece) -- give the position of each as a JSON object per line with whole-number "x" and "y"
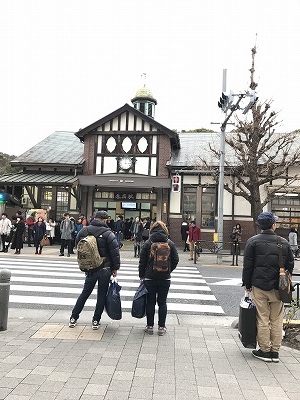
{"x": 52, "y": 225}
{"x": 194, "y": 235}
{"x": 39, "y": 231}
{"x": 293, "y": 241}
{"x": 66, "y": 230}
{"x": 236, "y": 238}
{"x": 146, "y": 229}
{"x": 30, "y": 221}
{"x": 5, "y": 227}
{"x": 261, "y": 277}
{"x": 119, "y": 229}
{"x": 184, "y": 234}
{"x": 18, "y": 236}
{"x": 157, "y": 283}
{"x": 109, "y": 248}
{"x": 136, "y": 233}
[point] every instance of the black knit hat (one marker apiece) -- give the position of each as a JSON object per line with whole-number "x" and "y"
{"x": 101, "y": 214}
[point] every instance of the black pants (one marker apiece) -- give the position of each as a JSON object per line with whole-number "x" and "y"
{"x": 30, "y": 236}
{"x": 158, "y": 290}
{"x": 102, "y": 276}
{"x": 67, "y": 242}
{"x": 4, "y": 238}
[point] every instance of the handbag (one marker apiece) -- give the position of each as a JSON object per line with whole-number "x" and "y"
{"x": 45, "y": 241}
{"x": 285, "y": 279}
{"x": 138, "y": 309}
{"x": 113, "y": 306}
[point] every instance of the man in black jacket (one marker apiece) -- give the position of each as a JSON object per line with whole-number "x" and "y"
{"x": 261, "y": 276}
{"x": 109, "y": 248}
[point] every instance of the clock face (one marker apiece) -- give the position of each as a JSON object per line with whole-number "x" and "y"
{"x": 125, "y": 163}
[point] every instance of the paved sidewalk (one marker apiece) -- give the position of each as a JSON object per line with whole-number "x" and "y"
{"x": 200, "y": 357}
{"x": 42, "y": 358}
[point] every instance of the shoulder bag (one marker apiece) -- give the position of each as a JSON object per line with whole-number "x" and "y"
{"x": 285, "y": 279}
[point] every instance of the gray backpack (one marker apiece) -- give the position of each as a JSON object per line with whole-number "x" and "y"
{"x": 88, "y": 256}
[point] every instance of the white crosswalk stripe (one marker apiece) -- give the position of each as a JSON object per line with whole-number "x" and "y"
{"x": 50, "y": 284}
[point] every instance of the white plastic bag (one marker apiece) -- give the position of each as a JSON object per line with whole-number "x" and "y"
{"x": 246, "y": 301}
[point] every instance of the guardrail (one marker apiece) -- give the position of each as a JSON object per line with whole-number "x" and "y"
{"x": 227, "y": 248}
{"x": 297, "y": 289}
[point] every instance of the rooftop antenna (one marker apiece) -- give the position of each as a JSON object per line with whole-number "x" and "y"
{"x": 144, "y": 77}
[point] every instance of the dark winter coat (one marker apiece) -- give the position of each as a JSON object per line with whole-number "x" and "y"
{"x": 261, "y": 260}
{"x": 145, "y": 262}
{"x": 108, "y": 245}
{"x": 17, "y": 239}
{"x": 184, "y": 231}
{"x": 137, "y": 231}
{"x": 39, "y": 232}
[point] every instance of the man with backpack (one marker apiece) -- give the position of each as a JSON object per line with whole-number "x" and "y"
{"x": 102, "y": 261}
{"x": 158, "y": 258}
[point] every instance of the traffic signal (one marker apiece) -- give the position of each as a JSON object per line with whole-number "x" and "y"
{"x": 252, "y": 100}
{"x": 225, "y": 101}
{"x": 176, "y": 183}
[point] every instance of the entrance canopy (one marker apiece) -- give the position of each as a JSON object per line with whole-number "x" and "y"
{"x": 130, "y": 181}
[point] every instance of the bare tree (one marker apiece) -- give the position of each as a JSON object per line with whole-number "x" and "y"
{"x": 260, "y": 155}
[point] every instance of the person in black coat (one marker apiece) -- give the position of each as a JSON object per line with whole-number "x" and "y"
{"x": 136, "y": 233}
{"x": 157, "y": 283}
{"x": 261, "y": 278}
{"x": 18, "y": 234}
{"x": 39, "y": 231}
{"x": 109, "y": 248}
{"x": 184, "y": 235}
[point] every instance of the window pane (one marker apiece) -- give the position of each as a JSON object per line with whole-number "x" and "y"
{"x": 208, "y": 207}
{"x": 189, "y": 203}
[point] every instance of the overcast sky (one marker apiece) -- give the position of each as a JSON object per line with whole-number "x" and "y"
{"x": 67, "y": 63}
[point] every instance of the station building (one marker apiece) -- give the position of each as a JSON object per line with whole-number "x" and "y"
{"x": 125, "y": 163}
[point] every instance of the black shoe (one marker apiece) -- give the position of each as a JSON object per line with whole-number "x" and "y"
{"x": 2, "y": 251}
{"x": 29, "y": 245}
{"x": 264, "y": 356}
{"x": 60, "y": 254}
{"x": 275, "y": 356}
{"x": 68, "y": 255}
{"x": 95, "y": 325}
{"x": 72, "y": 322}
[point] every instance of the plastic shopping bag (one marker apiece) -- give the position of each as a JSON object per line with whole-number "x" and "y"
{"x": 138, "y": 309}
{"x": 113, "y": 306}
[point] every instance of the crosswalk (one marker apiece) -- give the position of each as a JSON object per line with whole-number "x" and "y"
{"x": 51, "y": 284}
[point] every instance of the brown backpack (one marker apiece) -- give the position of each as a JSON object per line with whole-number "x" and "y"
{"x": 160, "y": 256}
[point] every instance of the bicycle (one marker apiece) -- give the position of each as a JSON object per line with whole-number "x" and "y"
{"x": 197, "y": 250}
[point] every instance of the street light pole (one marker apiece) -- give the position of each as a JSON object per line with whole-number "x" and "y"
{"x": 220, "y": 230}
{"x": 221, "y": 180}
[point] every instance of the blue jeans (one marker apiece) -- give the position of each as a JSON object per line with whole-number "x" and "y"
{"x": 102, "y": 276}
{"x": 158, "y": 290}
{"x": 118, "y": 236}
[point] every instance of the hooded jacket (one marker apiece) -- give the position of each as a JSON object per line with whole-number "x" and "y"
{"x": 107, "y": 243}
{"x": 261, "y": 260}
{"x": 145, "y": 264}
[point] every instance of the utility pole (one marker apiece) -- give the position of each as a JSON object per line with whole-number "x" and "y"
{"x": 221, "y": 180}
{"x": 226, "y": 104}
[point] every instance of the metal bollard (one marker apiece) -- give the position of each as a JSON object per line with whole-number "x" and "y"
{"x": 5, "y": 275}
